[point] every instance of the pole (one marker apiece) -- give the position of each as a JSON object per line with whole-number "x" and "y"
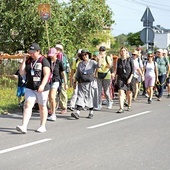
{"x": 48, "y": 41}
{"x": 147, "y": 31}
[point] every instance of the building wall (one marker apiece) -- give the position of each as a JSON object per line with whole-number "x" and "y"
{"x": 162, "y": 40}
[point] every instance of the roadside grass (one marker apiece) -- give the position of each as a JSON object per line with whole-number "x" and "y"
{"x": 9, "y": 100}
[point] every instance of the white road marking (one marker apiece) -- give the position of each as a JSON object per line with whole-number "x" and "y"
{"x": 24, "y": 146}
{"x": 117, "y": 120}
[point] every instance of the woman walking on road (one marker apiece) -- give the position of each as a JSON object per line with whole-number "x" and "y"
{"x": 87, "y": 84}
{"x": 58, "y": 73}
{"x": 124, "y": 78}
{"x": 151, "y": 75}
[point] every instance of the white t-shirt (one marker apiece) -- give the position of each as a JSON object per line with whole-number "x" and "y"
{"x": 137, "y": 65}
{"x": 150, "y": 69}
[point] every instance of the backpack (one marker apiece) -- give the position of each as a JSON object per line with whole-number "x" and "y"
{"x": 165, "y": 59}
{"x": 139, "y": 62}
{"x": 66, "y": 63}
{"x": 111, "y": 67}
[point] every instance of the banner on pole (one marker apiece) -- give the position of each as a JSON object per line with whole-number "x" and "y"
{"x": 44, "y": 11}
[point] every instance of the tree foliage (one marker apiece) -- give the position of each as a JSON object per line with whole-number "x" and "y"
{"x": 134, "y": 39}
{"x": 76, "y": 24}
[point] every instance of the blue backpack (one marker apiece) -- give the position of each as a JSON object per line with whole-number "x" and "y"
{"x": 66, "y": 63}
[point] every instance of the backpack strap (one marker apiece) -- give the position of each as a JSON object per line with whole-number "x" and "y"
{"x": 41, "y": 58}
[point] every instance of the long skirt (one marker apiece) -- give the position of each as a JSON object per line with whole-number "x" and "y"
{"x": 87, "y": 94}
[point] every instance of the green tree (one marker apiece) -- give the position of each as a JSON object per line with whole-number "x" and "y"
{"x": 134, "y": 39}
{"x": 74, "y": 24}
{"x": 120, "y": 40}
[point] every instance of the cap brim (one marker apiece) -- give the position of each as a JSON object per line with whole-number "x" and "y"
{"x": 85, "y": 53}
{"x": 32, "y": 51}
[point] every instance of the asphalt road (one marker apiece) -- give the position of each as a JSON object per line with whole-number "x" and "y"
{"x": 135, "y": 140}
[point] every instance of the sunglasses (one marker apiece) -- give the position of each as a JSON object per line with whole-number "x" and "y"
{"x": 84, "y": 54}
{"x": 133, "y": 54}
{"x": 150, "y": 55}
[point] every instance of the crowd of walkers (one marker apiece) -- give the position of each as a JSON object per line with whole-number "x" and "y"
{"x": 92, "y": 76}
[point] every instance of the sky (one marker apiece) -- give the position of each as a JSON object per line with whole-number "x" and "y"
{"x": 128, "y": 14}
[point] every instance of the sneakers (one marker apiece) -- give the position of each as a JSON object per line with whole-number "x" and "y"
{"x": 63, "y": 111}
{"x": 146, "y": 95}
{"x": 41, "y": 129}
{"x": 75, "y": 115}
{"x": 90, "y": 116}
{"x": 52, "y": 117}
{"x": 159, "y": 99}
{"x": 110, "y": 105}
{"x": 71, "y": 108}
{"x": 98, "y": 108}
{"x": 21, "y": 129}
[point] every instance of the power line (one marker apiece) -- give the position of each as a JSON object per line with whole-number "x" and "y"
{"x": 156, "y": 3}
{"x": 114, "y": 3}
{"x": 150, "y": 4}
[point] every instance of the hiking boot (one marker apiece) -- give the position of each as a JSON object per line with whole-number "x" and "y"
{"x": 52, "y": 117}
{"x": 75, "y": 115}
{"x": 21, "y": 129}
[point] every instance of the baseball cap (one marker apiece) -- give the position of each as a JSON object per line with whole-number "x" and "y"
{"x": 165, "y": 51}
{"x": 160, "y": 50}
{"x": 33, "y": 48}
{"x": 102, "y": 48}
{"x": 96, "y": 53}
{"x": 59, "y": 46}
{"x": 150, "y": 52}
{"x": 52, "y": 52}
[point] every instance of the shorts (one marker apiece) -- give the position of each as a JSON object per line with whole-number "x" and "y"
{"x": 149, "y": 81}
{"x": 55, "y": 85}
{"x": 139, "y": 79}
{"x": 35, "y": 97}
{"x": 122, "y": 84}
{"x": 20, "y": 91}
